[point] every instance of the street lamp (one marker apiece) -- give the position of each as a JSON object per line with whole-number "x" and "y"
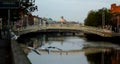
{"x": 103, "y": 19}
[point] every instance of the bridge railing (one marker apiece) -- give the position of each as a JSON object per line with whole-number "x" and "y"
{"x": 63, "y": 26}
{"x": 98, "y": 31}
{"x": 88, "y": 29}
{"x": 38, "y": 27}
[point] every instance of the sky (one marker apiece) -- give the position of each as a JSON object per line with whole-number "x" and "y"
{"x": 71, "y": 10}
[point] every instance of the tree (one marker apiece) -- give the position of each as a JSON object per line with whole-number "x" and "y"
{"x": 91, "y": 19}
{"x": 95, "y": 18}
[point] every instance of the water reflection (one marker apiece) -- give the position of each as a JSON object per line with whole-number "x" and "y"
{"x": 58, "y": 59}
{"x": 45, "y": 49}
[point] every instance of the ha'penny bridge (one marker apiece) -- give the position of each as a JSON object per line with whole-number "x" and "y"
{"x": 60, "y": 28}
{"x": 72, "y": 28}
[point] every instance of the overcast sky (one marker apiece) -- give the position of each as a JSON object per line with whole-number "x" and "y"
{"x": 72, "y": 10}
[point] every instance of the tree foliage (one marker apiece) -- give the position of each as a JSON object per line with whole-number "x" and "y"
{"x": 94, "y": 18}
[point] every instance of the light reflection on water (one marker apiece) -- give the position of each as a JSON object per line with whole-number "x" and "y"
{"x": 68, "y": 44}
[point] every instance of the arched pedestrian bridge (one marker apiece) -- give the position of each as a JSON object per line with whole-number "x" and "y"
{"x": 65, "y": 28}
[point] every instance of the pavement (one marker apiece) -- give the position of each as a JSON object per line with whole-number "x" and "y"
{"x": 5, "y": 52}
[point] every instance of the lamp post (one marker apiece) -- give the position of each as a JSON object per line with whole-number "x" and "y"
{"x": 103, "y": 19}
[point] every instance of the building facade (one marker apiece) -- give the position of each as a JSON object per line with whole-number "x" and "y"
{"x": 15, "y": 12}
{"x": 115, "y": 11}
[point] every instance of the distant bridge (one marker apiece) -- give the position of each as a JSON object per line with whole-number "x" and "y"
{"x": 65, "y": 27}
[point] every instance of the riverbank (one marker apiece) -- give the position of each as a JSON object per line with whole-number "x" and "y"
{"x": 5, "y": 52}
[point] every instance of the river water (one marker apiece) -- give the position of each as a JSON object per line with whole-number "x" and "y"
{"x": 44, "y": 49}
